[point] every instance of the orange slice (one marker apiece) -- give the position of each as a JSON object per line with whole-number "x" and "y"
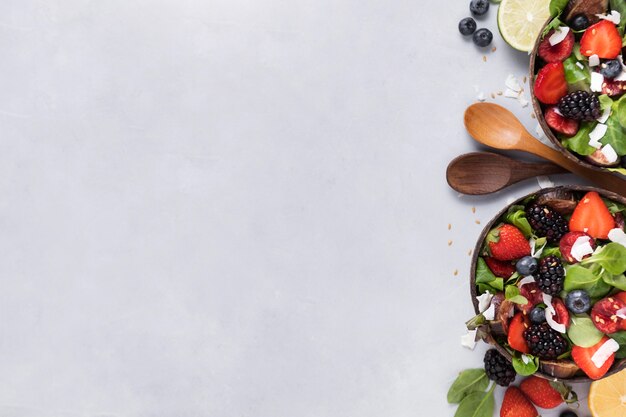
{"x": 607, "y": 397}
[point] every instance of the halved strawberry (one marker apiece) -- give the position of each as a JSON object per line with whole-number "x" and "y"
{"x": 515, "y": 404}
{"x": 517, "y": 327}
{"x": 582, "y": 357}
{"x": 500, "y": 269}
{"x": 613, "y": 88}
{"x": 559, "y": 52}
{"x": 601, "y": 39}
{"x": 568, "y": 240}
{"x": 592, "y": 217}
{"x": 506, "y": 242}
{"x": 550, "y": 84}
{"x": 604, "y": 314}
{"x": 568, "y": 127}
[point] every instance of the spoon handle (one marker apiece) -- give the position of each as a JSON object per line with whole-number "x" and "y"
{"x": 605, "y": 180}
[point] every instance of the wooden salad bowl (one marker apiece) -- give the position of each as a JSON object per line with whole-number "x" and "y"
{"x": 534, "y": 63}
{"x": 565, "y": 370}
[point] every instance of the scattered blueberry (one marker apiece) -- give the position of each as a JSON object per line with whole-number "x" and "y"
{"x": 527, "y": 266}
{"x": 568, "y": 413}
{"x": 579, "y": 22}
{"x": 479, "y": 7}
{"x": 482, "y": 37}
{"x": 578, "y": 301}
{"x": 537, "y": 315}
{"x": 611, "y": 69}
{"x": 467, "y": 26}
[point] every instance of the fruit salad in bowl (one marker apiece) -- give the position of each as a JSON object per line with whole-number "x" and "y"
{"x": 578, "y": 82}
{"x": 548, "y": 284}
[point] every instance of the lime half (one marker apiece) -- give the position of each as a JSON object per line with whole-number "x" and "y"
{"x": 520, "y": 21}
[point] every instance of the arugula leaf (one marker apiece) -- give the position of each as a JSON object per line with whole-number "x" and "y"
{"x": 477, "y": 404}
{"x": 516, "y": 215}
{"x": 468, "y": 381}
{"x": 512, "y": 293}
{"x": 579, "y": 143}
{"x": 557, "y": 7}
{"x": 620, "y": 337}
{"x": 526, "y": 369}
{"x": 611, "y": 257}
{"x": 581, "y": 278}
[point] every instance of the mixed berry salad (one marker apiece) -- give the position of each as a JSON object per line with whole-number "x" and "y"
{"x": 550, "y": 284}
{"x": 580, "y": 80}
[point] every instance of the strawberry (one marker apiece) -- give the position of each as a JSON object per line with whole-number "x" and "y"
{"x": 559, "y": 123}
{"x": 604, "y": 314}
{"x": 602, "y": 39}
{"x": 559, "y": 52}
{"x": 582, "y": 357}
{"x": 592, "y": 217}
{"x": 500, "y": 268}
{"x": 568, "y": 240}
{"x": 613, "y": 88}
{"x": 541, "y": 392}
{"x": 550, "y": 84}
{"x": 506, "y": 243}
{"x": 515, "y": 404}
{"x": 517, "y": 327}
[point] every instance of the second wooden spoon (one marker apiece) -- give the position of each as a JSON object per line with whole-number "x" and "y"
{"x": 479, "y": 173}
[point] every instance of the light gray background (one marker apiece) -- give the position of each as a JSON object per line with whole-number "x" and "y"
{"x": 237, "y": 207}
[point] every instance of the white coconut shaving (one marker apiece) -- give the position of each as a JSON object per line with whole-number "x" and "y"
{"x": 550, "y": 313}
{"x": 559, "y": 35}
{"x": 468, "y": 340}
{"x": 484, "y": 300}
{"x": 607, "y": 349}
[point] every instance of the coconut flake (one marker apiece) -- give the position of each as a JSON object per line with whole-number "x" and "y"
{"x": 522, "y": 101}
{"x": 613, "y": 17}
{"x": 558, "y": 35}
{"x": 525, "y": 359}
{"x": 544, "y": 182}
{"x": 605, "y": 115}
{"x": 604, "y": 353}
{"x": 481, "y": 96}
{"x": 597, "y": 80}
{"x": 581, "y": 248}
{"x": 621, "y": 313}
{"x": 617, "y": 235}
{"x": 511, "y": 93}
{"x": 534, "y": 252}
{"x": 580, "y": 65}
{"x": 609, "y": 153}
{"x": 526, "y": 280}
{"x": 594, "y": 60}
{"x": 550, "y": 313}
{"x": 512, "y": 83}
{"x": 468, "y": 340}
{"x": 490, "y": 313}
{"x": 484, "y": 300}
{"x": 596, "y": 134}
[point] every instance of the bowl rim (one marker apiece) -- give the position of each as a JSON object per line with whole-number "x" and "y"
{"x": 539, "y": 114}
{"x": 618, "y": 365}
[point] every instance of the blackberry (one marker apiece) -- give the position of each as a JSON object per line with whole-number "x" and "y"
{"x": 580, "y": 105}
{"x": 550, "y": 275}
{"x": 547, "y": 222}
{"x": 498, "y": 369}
{"x": 545, "y": 342}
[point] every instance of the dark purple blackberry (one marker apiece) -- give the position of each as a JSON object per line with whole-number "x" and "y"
{"x": 545, "y": 342}
{"x": 498, "y": 369}
{"x": 550, "y": 275}
{"x": 580, "y": 105}
{"x": 546, "y": 222}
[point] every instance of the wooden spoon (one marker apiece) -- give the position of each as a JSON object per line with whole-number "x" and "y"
{"x": 495, "y": 126}
{"x": 479, "y": 173}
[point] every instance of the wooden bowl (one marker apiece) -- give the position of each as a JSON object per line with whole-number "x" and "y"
{"x": 565, "y": 370}
{"x": 534, "y": 66}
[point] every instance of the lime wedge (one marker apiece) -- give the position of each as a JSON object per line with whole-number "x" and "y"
{"x": 520, "y": 21}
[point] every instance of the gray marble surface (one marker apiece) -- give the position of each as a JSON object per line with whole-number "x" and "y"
{"x": 237, "y": 207}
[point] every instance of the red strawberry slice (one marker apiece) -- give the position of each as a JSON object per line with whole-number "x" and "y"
{"x": 592, "y": 217}
{"x": 582, "y": 357}
{"x": 613, "y": 88}
{"x": 602, "y": 39}
{"x": 550, "y": 84}
{"x": 506, "y": 243}
{"x": 568, "y": 240}
{"x": 515, "y": 404}
{"x": 540, "y": 392}
{"x": 559, "y": 52}
{"x": 515, "y": 337}
{"x": 604, "y": 314}
{"x": 559, "y": 123}
{"x": 500, "y": 269}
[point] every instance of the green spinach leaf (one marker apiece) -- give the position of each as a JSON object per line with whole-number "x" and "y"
{"x": 477, "y": 404}
{"x": 512, "y": 293}
{"x": 468, "y": 381}
{"x": 526, "y": 369}
{"x": 581, "y": 278}
{"x": 516, "y": 215}
{"x": 579, "y": 143}
{"x": 557, "y": 7}
{"x": 620, "y": 337}
{"x": 611, "y": 257}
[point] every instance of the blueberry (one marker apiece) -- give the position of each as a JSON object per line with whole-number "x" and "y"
{"x": 568, "y": 413}
{"x": 611, "y": 69}
{"x": 467, "y": 26}
{"x": 537, "y": 315}
{"x": 527, "y": 266}
{"x": 579, "y": 22}
{"x": 578, "y": 301}
{"x": 482, "y": 37}
{"x": 479, "y": 7}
